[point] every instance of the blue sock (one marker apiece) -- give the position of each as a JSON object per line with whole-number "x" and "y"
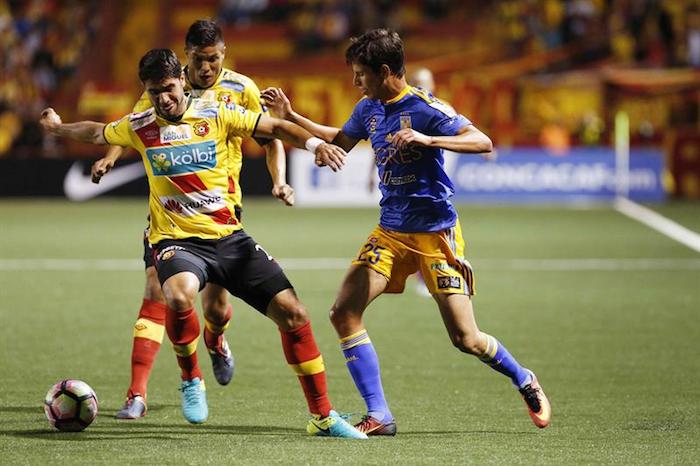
{"x": 498, "y": 357}
{"x": 363, "y": 364}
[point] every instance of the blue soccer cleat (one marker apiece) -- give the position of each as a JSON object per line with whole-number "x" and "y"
{"x": 333, "y": 425}
{"x": 194, "y": 401}
{"x": 222, "y": 363}
{"x": 134, "y": 408}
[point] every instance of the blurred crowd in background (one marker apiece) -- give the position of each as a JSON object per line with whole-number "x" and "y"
{"x": 45, "y": 43}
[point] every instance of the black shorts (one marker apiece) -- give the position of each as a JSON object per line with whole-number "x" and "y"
{"x": 235, "y": 262}
{"x": 148, "y": 256}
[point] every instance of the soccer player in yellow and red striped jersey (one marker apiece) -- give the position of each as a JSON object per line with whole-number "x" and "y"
{"x": 418, "y": 227}
{"x": 208, "y": 80}
{"x": 195, "y": 234}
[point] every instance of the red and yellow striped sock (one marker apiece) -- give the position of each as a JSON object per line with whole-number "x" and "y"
{"x": 306, "y": 361}
{"x": 214, "y": 331}
{"x": 183, "y": 331}
{"x": 148, "y": 336}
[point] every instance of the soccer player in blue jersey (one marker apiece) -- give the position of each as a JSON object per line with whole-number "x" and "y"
{"x": 418, "y": 227}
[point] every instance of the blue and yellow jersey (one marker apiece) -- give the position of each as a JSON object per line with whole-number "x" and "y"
{"x": 416, "y": 191}
{"x": 231, "y": 88}
{"x": 187, "y": 166}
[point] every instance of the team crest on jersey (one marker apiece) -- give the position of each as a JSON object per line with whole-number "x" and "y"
{"x": 373, "y": 125}
{"x": 174, "y": 133}
{"x": 168, "y": 252}
{"x": 201, "y": 128}
{"x": 225, "y": 98}
{"x": 405, "y": 119}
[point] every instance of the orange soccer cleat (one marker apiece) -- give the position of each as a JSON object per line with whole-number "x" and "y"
{"x": 537, "y": 403}
{"x": 371, "y": 426}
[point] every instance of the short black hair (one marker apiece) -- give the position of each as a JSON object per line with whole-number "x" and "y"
{"x": 203, "y": 33}
{"x": 159, "y": 64}
{"x": 376, "y": 48}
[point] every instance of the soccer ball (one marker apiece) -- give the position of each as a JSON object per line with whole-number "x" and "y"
{"x": 70, "y": 405}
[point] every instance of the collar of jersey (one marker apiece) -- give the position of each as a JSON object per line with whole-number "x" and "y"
{"x": 400, "y": 96}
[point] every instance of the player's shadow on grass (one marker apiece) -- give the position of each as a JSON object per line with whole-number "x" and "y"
{"x": 427, "y": 433}
{"x": 22, "y": 409}
{"x": 143, "y": 430}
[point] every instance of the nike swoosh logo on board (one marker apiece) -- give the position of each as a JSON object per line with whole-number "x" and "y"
{"x": 79, "y": 187}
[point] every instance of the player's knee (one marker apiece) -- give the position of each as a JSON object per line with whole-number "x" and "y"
{"x": 215, "y": 309}
{"x": 179, "y": 298}
{"x": 467, "y": 344}
{"x": 287, "y": 311}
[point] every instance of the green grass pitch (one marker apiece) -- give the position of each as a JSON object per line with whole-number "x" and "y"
{"x": 614, "y": 341}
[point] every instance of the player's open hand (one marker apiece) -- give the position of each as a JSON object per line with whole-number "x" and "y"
{"x": 284, "y": 193}
{"x": 408, "y": 136}
{"x": 100, "y": 168}
{"x": 49, "y": 119}
{"x": 277, "y": 102}
{"x": 330, "y": 155}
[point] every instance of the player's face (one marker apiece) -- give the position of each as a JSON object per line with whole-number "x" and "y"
{"x": 168, "y": 96}
{"x": 365, "y": 79}
{"x": 204, "y": 64}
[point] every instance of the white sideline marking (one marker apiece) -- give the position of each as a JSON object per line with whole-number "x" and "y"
{"x": 331, "y": 263}
{"x": 659, "y": 223}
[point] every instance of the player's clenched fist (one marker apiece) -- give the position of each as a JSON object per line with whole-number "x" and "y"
{"x": 408, "y": 136}
{"x": 100, "y": 168}
{"x": 49, "y": 118}
{"x": 329, "y": 155}
{"x": 284, "y": 193}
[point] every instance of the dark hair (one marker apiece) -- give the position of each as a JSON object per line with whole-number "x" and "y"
{"x": 159, "y": 64}
{"x": 203, "y": 33}
{"x": 376, "y": 48}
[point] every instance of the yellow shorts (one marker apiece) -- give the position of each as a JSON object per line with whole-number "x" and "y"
{"x": 438, "y": 255}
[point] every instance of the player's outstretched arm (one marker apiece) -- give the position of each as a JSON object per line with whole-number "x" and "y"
{"x": 326, "y": 154}
{"x": 102, "y": 166}
{"x": 277, "y": 167}
{"x": 468, "y": 140}
{"x": 281, "y": 107}
{"x": 84, "y": 131}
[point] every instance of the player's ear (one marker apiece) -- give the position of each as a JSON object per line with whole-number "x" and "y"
{"x": 384, "y": 71}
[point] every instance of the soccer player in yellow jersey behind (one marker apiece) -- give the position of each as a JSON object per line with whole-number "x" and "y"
{"x": 205, "y": 79}
{"x": 195, "y": 234}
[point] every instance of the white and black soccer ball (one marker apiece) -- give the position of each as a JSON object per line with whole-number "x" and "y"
{"x": 70, "y": 405}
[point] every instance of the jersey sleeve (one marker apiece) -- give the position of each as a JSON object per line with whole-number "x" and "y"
{"x": 238, "y": 120}
{"x": 143, "y": 104}
{"x": 118, "y": 133}
{"x": 355, "y": 126}
{"x": 444, "y": 121}
{"x": 251, "y": 101}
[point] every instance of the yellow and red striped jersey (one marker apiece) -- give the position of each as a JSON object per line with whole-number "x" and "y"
{"x": 187, "y": 163}
{"x": 229, "y": 87}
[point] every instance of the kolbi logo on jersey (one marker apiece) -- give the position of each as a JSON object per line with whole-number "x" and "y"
{"x": 201, "y": 128}
{"x": 177, "y": 133}
{"x": 186, "y": 158}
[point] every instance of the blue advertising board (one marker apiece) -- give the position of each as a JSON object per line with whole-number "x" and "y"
{"x": 532, "y": 175}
